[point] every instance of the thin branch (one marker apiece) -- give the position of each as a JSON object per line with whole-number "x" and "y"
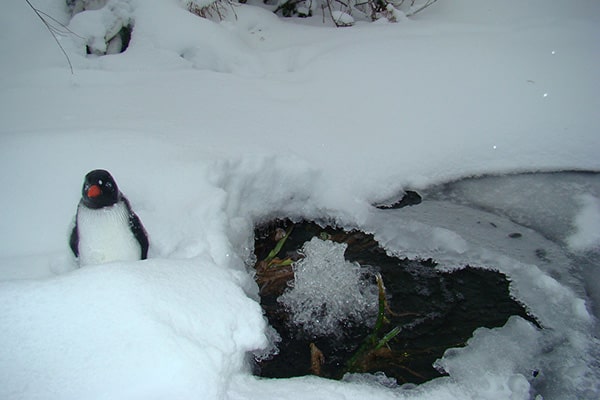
{"x": 342, "y": 3}
{"x": 424, "y": 6}
{"x": 53, "y": 30}
{"x": 331, "y": 13}
{"x": 65, "y": 29}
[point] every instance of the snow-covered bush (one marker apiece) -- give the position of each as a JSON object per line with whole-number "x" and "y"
{"x": 77, "y": 6}
{"x": 207, "y": 8}
{"x": 343, "y": 13}
{"x": 105, "y": 25}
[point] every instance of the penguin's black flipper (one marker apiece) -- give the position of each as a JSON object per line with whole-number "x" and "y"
{"x": 74, "y": 240}
{"x": 135, "y": 224}
{"x": 140, "y": 234}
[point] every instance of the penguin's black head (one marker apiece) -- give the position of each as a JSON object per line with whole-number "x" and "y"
{"x": 99, "y": 189}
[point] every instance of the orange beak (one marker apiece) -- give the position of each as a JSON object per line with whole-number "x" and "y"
{"x": 94, "y": 191}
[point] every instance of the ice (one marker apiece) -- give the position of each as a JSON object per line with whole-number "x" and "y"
{"x": 544, "y": 277}
{"x": 489, "y": 362}
{"x": 560, "y": 206}
{"x": 328, "y": 292}
{"x": 587, "y": 225}
{"x": 546, "y": 202}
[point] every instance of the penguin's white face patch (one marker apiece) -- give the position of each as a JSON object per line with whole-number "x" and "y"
{"x": 105, "y": 235}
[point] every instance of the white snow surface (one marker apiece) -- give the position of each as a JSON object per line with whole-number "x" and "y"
{"x": 211, "y": 127}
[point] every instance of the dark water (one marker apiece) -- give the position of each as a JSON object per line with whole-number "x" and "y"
{"x": 435, "y": 310}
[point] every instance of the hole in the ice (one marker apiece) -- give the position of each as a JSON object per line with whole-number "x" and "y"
{"x": 409, "y": 198}
{"x": 333, "y": 319}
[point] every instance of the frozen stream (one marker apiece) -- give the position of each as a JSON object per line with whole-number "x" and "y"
{"x": 538, "y": 229}
{"x": 562, "y": 207}
{"x": 542, "y": 231}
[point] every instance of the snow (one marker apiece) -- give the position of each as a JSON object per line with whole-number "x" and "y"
{"x": 494, "y": 349}
{"x": 125, "y": 331}
{"x": 210, "y": 127}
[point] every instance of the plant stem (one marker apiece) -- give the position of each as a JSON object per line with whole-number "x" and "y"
{"x": 371, "y": 342}
{"x": 391, "y": 334}
{"x": 278, "y": 246}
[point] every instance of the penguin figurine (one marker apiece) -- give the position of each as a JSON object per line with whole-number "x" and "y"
{"x": 106, "y": 228}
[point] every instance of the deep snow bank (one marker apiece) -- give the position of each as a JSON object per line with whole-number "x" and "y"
{"x": 137, "y": 330}
{"x": 450, "y": 97}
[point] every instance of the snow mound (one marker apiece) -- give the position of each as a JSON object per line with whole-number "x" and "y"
{"x": 329, "y": 292}
{"x": 131, "y": 330}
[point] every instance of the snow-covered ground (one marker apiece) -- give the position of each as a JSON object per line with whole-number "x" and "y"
{"x": 211, "y": 127}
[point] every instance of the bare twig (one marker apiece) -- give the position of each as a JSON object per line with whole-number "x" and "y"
{"x": 424, "y": 6}
{"x": 216, "y": 7}
{"x": 342, "y": 3}
{"x": 331, "y": 13}
{"x": 63, "y": 31}
{"x": 53, "y": 30}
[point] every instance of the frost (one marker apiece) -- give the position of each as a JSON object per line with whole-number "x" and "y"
{"x": 329, "y": 292}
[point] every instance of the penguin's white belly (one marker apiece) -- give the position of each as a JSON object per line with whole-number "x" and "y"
{"x": 105, "y": 235}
